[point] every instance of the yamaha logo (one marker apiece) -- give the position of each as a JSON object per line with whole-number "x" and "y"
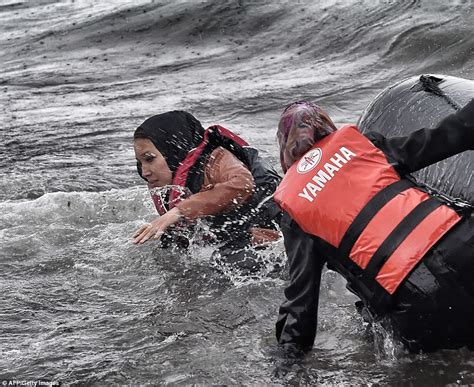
{"x": 309, "y": 161}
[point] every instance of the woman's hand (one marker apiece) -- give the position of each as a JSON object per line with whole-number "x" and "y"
{"x": 156, "y": 228}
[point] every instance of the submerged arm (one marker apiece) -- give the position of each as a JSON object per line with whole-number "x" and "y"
{"x": 298, "y": 315}
{"x": 157, "y": 227}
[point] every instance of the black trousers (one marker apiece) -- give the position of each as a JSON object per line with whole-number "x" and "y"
{"x": 434, "y": 307}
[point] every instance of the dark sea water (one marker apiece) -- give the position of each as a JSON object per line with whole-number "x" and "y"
{"x": 79, "y": 303}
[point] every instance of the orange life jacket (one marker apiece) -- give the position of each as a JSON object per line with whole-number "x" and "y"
{"x": 345, "y": 192}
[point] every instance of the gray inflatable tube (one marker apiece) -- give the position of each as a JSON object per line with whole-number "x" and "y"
{"x": 421, "y": 102}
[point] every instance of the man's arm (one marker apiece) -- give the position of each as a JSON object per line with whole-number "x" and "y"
{"x": 298, "y": 315}
{"x": 453, "y": 135}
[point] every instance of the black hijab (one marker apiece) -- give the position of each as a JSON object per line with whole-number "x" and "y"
{"x": 173, "y": 133}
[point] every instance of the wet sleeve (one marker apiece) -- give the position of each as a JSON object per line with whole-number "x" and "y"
{"x": 230, "y": 184}
{"x": 298, "y": 315}
{"x": 453, "y": 135}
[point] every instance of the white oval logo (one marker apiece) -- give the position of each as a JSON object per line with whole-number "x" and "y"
{"x": 309, "y": 161}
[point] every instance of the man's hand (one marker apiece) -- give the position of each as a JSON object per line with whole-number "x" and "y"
{"x": 156, "y": 228}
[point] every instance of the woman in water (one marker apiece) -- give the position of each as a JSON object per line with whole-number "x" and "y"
{"x": 211, "y": 174}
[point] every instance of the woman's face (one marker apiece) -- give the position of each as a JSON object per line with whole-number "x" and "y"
{"x": 155, "y": 169}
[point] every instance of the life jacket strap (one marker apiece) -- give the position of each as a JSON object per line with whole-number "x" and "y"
{"x": 398, "y": 235}
{"x": 368, "y": 212}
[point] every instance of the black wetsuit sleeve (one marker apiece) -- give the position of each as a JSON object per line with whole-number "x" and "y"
{"x": 298, "y": 315}
{"x": 453, "y": 135}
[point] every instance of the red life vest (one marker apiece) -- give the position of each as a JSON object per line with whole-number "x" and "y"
{"x": 178, "y": 190}
{"x": 345, "y": 192}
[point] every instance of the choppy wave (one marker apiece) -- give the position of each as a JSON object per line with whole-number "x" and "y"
{"x": 79, "y": 76}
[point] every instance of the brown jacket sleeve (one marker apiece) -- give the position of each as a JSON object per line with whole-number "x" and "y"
{"x": 227, "y": 184}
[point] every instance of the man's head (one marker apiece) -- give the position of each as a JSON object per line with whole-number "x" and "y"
{"x": 301, "y": 124}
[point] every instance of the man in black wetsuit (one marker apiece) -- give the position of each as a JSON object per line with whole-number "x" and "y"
{"x": 349, "y": 202}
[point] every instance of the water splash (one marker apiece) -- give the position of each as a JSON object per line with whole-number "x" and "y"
{"x": 252, "y": 265}
{"x": 386, "y": 347}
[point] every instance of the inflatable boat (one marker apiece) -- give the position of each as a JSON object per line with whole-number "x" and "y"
{"x": 421, "y": 102}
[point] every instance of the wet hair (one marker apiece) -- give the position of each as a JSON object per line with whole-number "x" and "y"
{"x": 319, "y": 120}
{"x": 291, "y": 145}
